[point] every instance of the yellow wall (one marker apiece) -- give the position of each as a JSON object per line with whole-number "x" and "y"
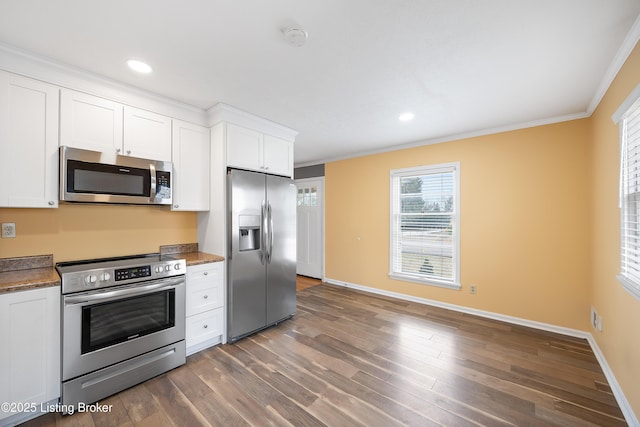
{"x": 539, "y": 226}
{"x": 74, "y": 231}
{"x": 524, "y": 222}
{"x": 619, "y": 339}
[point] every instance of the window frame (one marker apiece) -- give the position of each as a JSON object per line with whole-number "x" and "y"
{"x": 394, "y": 222}
{"x": 629, "y": 107}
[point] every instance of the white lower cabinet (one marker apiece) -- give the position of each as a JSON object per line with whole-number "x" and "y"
{"x": 29, "y": 351}
{"x": 205, "y": 306}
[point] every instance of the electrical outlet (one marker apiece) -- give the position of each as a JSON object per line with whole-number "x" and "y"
{"x": 8, "y": 230}
{"x": 594, "y": 318}
{"x": 473, "y": 289}
{"x": 599, "y": 325}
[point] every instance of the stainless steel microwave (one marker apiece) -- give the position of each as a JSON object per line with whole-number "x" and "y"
{"x": 95, "y": 177}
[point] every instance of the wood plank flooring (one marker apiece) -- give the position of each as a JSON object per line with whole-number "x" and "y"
{"x": 304, "y": 282}
{"x": 350, "y": 358}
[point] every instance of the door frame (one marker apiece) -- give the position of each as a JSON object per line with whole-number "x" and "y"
{"x": 321, "y": 199}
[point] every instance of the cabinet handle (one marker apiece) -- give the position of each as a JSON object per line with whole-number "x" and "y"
{"x": 206, "y": 297}
{"x": 206, "y": 273}
{"x": 51, "y": 203}
{"x": 266, "y": 168}
{"x": 205, "y": 326}
{"x": 128, "y": 152}
{"x": 118, "y": 150}
{"x": 176, "y": 206}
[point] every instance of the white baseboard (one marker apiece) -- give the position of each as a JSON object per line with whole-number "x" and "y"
{"x": 625, "y": 407}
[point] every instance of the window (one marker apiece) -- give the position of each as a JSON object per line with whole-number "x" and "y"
{"x": 307, "y": 196}
{"x": 629, "y": 119}
{"x": 425, "y": 230}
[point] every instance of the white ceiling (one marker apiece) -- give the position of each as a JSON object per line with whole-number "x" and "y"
{"x": 462, "y": 66}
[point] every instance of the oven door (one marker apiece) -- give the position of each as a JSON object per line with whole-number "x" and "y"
{"x": 104, "y": 327}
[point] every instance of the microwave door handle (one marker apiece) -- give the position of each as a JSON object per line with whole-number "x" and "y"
{"x": 152, "y": 170}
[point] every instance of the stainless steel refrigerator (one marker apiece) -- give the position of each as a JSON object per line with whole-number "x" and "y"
{"x": 262, "y": 256}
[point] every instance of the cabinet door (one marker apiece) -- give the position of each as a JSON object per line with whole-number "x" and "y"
{"x": 147, "y": 134}
{"x": 30, "y": 346}
{"x": 28, "y": 143}
{"x": 278, "y": 156}
{"x": 244, "y": 148}
{"x": 90, "y": 122}
{"x": 190, "y": 156}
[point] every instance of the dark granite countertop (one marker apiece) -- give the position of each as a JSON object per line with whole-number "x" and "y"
{"x": 24, "y": 273}
{"x": 190, "y": 253}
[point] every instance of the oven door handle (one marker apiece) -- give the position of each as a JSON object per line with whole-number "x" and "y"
{"x": 91, "y": 298}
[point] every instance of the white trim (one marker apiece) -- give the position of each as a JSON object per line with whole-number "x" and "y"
{"x": 431, "y": 282}
{"x": 623, "y": 53}
{"x": 322, "y": 213}
{"x": 623, "y": 403}
{"x": 626, "y": 104}
{"x": 418, "y": 170}
{"x": 621, "y": 399}
{"x": 38, "y": 67}
{"x": 449, "y": 138}
{"x": 629, "y": 286}
{"x": 226, "y": 113}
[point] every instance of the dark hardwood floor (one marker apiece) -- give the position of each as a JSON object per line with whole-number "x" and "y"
{"x": 349, "y": 358}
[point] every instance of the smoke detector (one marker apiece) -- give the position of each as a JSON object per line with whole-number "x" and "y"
{"x": 295, "y": 36}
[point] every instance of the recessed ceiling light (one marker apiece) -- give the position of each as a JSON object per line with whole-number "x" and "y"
{"x": 139, "y": 66}
{"x": 406, "y": 117}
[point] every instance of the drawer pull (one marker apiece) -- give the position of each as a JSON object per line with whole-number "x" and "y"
{"x": 206, "y": 296}
{"x": 205, "y": 326}
{"x": 206, "y": 273}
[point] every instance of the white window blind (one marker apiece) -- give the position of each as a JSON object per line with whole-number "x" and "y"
{"x": 425, "y": 225}
{"x": 630, "y": 199}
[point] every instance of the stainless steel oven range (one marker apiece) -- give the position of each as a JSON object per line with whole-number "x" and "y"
{"x": 123, "y": 322}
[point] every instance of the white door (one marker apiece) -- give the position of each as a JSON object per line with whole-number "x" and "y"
{"x": 310, "y": 220}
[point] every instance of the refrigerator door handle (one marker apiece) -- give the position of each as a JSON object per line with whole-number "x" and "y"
{"x": 263, "y": 235}
{"x": 270, "y": 214}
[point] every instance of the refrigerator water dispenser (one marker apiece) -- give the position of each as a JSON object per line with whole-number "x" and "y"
{"x": 249, "y": 232}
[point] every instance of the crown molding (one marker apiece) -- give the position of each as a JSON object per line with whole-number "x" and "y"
{"x": 18, "y": 61}
{"x": 226, "y": 113}
{"x": 623, "y": 53}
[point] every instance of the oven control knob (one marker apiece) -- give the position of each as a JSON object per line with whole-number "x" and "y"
{"x": 90, "y": 279}
{"x": 167, "y": 268}
{"x": 105, "y": 276}
{"x": 177, "y": 267}
{"x": 159, "y": 269}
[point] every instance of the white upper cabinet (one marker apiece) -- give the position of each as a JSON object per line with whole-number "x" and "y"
{"x": 191, "y": 167}
{"x": 146, "y": 134}
{"x": 98, "y": 124}
{"x": 278, "y": 155}
{"x": 89, "y": 122}
{"x": 249, "y": 149}
{"x": 244, "y": 148}
{"x": 28, "y": 142}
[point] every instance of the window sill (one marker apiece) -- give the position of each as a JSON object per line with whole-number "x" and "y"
{"x": 414, "y": 279}
{"x": 629, "y": 286}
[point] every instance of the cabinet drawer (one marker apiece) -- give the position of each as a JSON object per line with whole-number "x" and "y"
{"x": 203, "y": 297}
{"x": 204, "y": 326}
{"x": 205, "y": 272}
{"x": 205, "y": 288}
